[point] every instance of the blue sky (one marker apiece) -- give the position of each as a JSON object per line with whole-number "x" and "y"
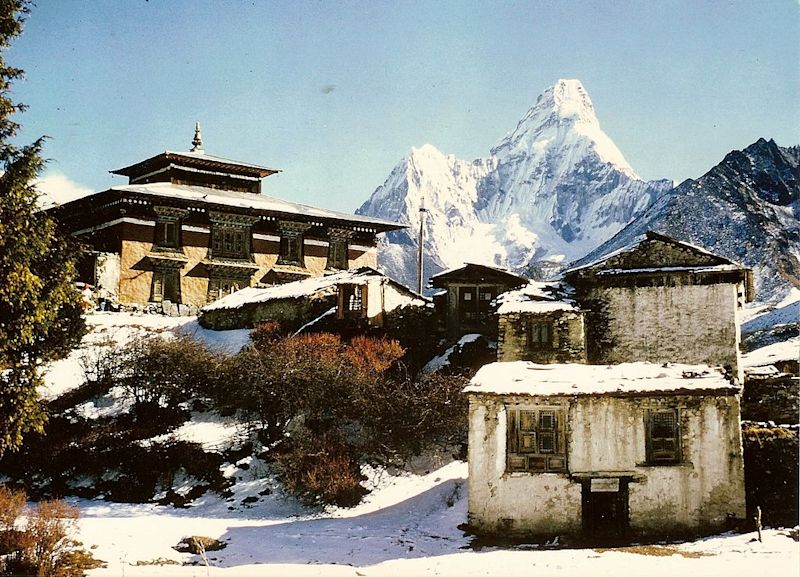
{"x": 336, "y": 93}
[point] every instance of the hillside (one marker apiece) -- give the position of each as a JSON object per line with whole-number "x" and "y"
{"x": 407, "y": 524}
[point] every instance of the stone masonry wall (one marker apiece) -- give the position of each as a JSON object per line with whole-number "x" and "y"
{"x": 695, "y": 324}
{"x": 136, "y": 272}
{"x": 568, "y": 340}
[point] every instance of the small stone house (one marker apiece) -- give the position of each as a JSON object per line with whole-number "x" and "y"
{"x": 465, "y": 297}
{"x": 603, "y": 453}
{"x": 189, "y": 228}
{"x": 662, "y": 300}
{"x": 540, "y": 322}
{"x": 358, "y": 298}
{"x": 657, "y": 300}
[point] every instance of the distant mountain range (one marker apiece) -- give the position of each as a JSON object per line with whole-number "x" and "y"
{"x": 746, "y": 208}
{"x": 556, "y": 188}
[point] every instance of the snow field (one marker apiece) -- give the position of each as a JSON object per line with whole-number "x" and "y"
{"x": 407, "y": 525}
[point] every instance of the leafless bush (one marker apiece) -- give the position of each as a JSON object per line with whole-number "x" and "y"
{"x": 39, "y": 543}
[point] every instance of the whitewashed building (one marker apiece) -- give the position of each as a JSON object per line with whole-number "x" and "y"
{"x": 603, "y": 452}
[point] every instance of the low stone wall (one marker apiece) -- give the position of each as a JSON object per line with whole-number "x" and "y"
{"x": 290, "y": 313}
{"x": 771, "y": 472}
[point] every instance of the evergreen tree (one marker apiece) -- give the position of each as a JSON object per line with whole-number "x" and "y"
{"x": 39, "y": 306}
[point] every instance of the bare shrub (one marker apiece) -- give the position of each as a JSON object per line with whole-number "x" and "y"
{"x": 320, "y": 470}
{"x": 40, "y": 545}
{"x": 101, "y": 363}
{"x": 265, "y": 334}
{"x": 329, "y": 404}
{"x": 168, "y": 372}
{"x": 12, "y": 503}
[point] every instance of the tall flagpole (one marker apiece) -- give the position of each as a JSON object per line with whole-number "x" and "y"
{"x": 421, "y": 241}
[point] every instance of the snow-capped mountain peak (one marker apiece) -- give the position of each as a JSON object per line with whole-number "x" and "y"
{"x": 555, "y": 187}
{"x": 563, "y": 120}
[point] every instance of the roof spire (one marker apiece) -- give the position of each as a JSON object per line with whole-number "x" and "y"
{"x": 197, "y": 141}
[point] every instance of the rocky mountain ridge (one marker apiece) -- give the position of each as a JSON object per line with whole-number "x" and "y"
{"x": 746, "y": 208}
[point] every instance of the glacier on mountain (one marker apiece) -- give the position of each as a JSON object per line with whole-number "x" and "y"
{"x": 551, "y": 190}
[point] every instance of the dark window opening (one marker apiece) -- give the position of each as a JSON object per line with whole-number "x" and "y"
{"x": 291, "y": 249}
{"x": 337, "y": 254}
{"x": 663, "y": 438}
{"x": 167, "y": 234}
{"x": 352, "y": 301}
{"x": 166, "y": 286}
{"x": 540, "y": 335}
{"x": 220, "y": 287}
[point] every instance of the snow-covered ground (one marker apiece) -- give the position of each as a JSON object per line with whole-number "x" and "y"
{"x": 407, "y": 525}
{"x": 116, "y": 329}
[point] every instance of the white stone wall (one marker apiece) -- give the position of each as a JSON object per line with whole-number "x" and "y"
{"x": 513, "y": 503}
{"x": 606, "y": 438}
{"x": 694, "y": 324}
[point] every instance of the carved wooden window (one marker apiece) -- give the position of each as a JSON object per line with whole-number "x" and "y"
{"x": 663, "y": 436}
{"x": 337, "y": 254}
{"x": 291, "y": 248}
{"x": 352, "y": 301}
{"x": 536, "y": 441}
{"x": 230, "y": 242}
{"x": 540, "y": 335}
{"x": 166, "y": 286}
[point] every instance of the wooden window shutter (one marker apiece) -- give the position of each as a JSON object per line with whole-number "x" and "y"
{"x": 663, "y": 436}
{"x": 158, "y": 286}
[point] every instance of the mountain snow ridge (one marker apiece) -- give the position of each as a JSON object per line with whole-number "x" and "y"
{"x": 747, "y": 208}
{"x": 553, "y": 188}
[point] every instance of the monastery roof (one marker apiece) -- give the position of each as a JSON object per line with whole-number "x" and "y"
{"x": 537, "y": 297}
{"x": 248, "y": 200}
{"x": 197, "y": 158}
{"x": 527, "y": 378}
{"x": 318, "y": 285}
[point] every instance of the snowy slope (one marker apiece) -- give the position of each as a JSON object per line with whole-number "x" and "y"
{"x": 746, "y": 208}
{"x": 407, "y": 525}
{"x": 553, "y": 188}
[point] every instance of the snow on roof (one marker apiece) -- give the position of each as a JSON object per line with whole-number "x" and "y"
{"x": 244, "y": 200}
{"x": 303, "y": 288}
{"x": 647, "y": 236}
{"x": 211, "y": 157}
{"x": 696, "y": 269}
{"x": 200, "y": 155}
{"x": 627, "y": 248}
{"x": 292, "y": 290}
{"x": 527, "y": 378}
{"x": 536, "y": 297}
{"x": 468, "y": 264}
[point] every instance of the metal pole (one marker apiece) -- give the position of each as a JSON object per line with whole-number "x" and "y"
{"x": 421, "y": 243}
